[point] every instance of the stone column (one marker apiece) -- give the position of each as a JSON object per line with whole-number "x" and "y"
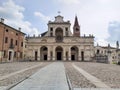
{"x": 33, "y": 54}
{"x": 53, "y": 58}
{"x": 38, "y": 54}
{"x": 64, "y": 54}
{"x": 64, "y": 32}
{"x": 79, "y": 55}
{"x": 53, "y": 31}
{"x": 69, "y": 54}
{"x": 48, "y": 54}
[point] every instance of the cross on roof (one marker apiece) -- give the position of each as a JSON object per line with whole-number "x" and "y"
{"x": 59, "y": 12}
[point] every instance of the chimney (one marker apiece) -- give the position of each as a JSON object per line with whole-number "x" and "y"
{"x": 2, "y": 20}
{"x": 19, "y": 29}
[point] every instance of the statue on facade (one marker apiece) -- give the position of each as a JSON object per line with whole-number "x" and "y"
{"x": 117, "y": 44}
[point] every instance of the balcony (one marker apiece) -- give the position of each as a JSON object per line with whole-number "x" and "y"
{"x": 11, "y": 46}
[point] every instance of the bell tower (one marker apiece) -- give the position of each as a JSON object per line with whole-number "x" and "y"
{"x": 76, "y": 28}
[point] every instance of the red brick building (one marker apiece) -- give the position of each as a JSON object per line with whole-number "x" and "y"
{"x": 11, "y": 43}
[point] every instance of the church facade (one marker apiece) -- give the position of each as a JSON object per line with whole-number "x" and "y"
{"x": 59, "y": 43}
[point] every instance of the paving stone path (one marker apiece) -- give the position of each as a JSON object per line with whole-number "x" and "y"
{"x": 51, "y": 77}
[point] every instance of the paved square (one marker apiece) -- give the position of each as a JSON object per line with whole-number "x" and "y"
{"x": 51, "y": 77}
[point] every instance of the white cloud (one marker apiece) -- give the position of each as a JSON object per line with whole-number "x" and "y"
{"x": 94, "y": 16}
{"x": 13, "y": 15}
{"x": 101, "y": 42}
{"x": 114, "y": 32}
{"x": 43, "y": 17}
{"x": 69, "y": 1}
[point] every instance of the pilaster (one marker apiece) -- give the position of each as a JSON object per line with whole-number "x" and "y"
{"x": 64, "y": 54}
{"x": 69, "y": 54}
{"x": 38, "y": 54}
{"x": 48, "y": 54}
{"x": 53, "y": 54}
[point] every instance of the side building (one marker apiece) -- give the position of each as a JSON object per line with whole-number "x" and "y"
{"x": 11, "y": 43}
{"x": 59, "y": 43}
{"x": 107, "y": 54}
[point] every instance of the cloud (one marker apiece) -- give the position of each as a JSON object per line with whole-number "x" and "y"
{"x": 69, "y": 1}
{"x": 43, "y": 17}
{"x": 94, "y": 16}
{"x": 14, "y": 16}
{"x": 114, "y": 32}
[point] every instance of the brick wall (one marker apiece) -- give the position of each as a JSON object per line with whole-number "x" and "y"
{"x": 13, "y": 39}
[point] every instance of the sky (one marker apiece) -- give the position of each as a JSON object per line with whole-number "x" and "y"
{"x": 98, "y": 17}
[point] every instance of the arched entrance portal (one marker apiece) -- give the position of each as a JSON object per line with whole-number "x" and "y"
{"x": 59, "y": 53}
{"x": 44, "y": 53}
{"x": 74, "y": 53}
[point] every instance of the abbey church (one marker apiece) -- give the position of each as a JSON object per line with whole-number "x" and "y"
{"x": 59, "y": 43}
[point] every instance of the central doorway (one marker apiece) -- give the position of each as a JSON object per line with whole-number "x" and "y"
{"x": 59, "y": 52}
{"x": 72, "y": 57}
{"x": 59, "y": 56}
{"x": 45, "y": 57}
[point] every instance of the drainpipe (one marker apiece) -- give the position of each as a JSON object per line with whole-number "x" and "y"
{"x": 18, "y": 43}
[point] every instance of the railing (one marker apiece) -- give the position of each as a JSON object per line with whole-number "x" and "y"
{"x": 11, "y": 46}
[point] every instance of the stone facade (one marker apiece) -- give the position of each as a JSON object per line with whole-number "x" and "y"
{"x": 112, "y": 53}
{"x": 11, "y": 43}
{"x": 58, "y": 43}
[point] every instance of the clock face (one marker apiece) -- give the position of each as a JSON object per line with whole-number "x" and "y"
{"x": 59, "y": 38}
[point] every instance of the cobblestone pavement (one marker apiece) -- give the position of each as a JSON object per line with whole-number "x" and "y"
{"x": 95, "y": 89}
{"x": 77, "y": 79}
{"x": 7, "y": 68}
{"x": 107, "y": 73}
{"x": 18, "y": 77}
{"x": 51, "y": 77}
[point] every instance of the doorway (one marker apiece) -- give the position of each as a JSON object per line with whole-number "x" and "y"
{"x": 45, "y": 57}
{"x": 59, "y": 56}
{"x": 82, "y": 56}
{"x": 36, "y": 54}
{"x": 10, "y": 55}
{"x": 59, "y": 52}
{"x": 73, "y": 57}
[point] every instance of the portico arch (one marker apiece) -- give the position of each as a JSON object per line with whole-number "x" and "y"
{"x": 59, "y": 53}
{"x": 44, "y": 53}
{"x": 74, "y": 53}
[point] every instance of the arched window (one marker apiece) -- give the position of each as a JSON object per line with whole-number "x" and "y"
{"x": 59, "y": 35}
